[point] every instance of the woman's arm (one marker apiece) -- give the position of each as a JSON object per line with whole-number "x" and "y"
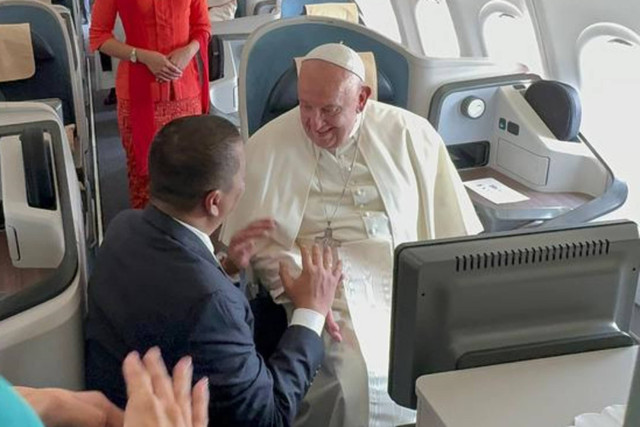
{"x": 103, "y": 17}
{"x": 199, "y": 32}
{"x": 101, "y": 38}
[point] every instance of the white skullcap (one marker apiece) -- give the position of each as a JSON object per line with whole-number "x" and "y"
{"x": 340, "y": 55}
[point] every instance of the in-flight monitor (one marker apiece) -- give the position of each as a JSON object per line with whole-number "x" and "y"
{"x": 503, "y": 297}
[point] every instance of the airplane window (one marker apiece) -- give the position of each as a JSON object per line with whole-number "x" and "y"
{"x": 512, "y": 39}
{"x": 610, "y": 74}
{"x": 435, "y": 26}
{"x": 380, "y": 16}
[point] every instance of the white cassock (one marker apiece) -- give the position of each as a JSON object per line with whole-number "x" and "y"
{"x": 403, "y": 187}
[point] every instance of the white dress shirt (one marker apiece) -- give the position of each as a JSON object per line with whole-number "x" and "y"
{"x": 301, "y": 316}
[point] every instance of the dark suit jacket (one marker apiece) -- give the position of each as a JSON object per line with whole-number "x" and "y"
{"x": 156, "y": 283}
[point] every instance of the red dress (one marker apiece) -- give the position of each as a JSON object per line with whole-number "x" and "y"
{"x": 144, "y": 105}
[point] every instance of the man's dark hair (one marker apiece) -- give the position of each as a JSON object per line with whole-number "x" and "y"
{"x": 191, "y": 156}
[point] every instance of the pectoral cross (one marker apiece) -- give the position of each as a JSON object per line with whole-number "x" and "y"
{"x": 327, "y": 240}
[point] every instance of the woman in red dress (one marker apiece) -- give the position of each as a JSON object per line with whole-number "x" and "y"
{"x": 157, "y": 79}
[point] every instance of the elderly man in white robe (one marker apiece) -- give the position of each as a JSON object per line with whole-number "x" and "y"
{"x": 363, "y": 177}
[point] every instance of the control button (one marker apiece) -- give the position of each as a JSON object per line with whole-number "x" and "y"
{"x": 473, "y": 107}
{"x": 502, "y": 123}
{"x": 513, "y": 128}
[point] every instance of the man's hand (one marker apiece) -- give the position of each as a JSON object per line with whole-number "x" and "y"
{"x": 181, "y": 56}
{"x": 160, "y": 66}
{"x": 242, "y": 245}
{"x": 155, "y": 401}
{"x": 63, "y": 408}
{"x": 316, "y": 286}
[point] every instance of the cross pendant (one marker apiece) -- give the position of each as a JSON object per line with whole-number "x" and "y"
{"x": 327, "y": 240}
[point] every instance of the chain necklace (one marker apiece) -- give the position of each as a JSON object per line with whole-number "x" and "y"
{"x": 327, "y": 238}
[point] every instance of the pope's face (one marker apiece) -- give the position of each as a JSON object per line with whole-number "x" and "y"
{"x": 330, "y": 99}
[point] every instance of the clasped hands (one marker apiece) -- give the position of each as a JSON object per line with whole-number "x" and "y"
{"x": 315, "y": 287}
{"x": 169, "y": 67}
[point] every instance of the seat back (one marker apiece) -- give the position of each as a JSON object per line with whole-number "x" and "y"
{"x": 242, "y": 9}
{"x": 291, "y": 8}
{"x": 267, "y": 83}
{"x": 284, "y": 95}
{"x": 53, "y": 55}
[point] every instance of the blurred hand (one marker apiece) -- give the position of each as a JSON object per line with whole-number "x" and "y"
{"x": 159, "y": 65}
{"x": 63, "y": 408}
{"x": 242, "y": 245}
{"x": 181, "y": 56}
{"x": 316, "y": 286}
{"x": 332, "y": 328}
{"x": 156, "y": 401}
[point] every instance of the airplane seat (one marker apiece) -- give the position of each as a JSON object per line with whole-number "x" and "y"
{"x": 267, "y": 78}
{"x": 292, "y": 8}
{"x": 284, "y": 95}
{"x": 330, "y": 10}
{"x": 516, "y": 142}
{"x": 241, "y": 10}
{"x": 52, "y": 78}
{"x": 42, "y": 251}
{"x": 558, "y": 105}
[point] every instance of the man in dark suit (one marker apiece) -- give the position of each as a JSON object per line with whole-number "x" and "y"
{"x": 158, "y": 282}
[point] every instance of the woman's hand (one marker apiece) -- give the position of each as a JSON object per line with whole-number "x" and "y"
{"x": 181, "y": 56}
{"x": 159, "y": 65}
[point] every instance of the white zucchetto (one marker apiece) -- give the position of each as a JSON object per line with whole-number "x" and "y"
{"x": 340, "y": 55}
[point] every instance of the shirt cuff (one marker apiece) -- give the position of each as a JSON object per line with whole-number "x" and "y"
{"x": 309, "y": 319}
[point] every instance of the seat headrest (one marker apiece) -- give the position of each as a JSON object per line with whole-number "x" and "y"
{"x": 284, "y": 95}
{"x": 558, "y": 105}
{"x": 345, "y": 11}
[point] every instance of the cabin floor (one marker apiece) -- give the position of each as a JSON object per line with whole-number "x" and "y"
{"x": 112, "y": 162}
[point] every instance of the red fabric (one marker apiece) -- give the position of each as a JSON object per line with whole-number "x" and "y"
{"x": 162, "y": 26}
{"x": 163, "y": 113}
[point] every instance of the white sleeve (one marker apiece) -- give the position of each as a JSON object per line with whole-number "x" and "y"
{"x": 308, "y": 318}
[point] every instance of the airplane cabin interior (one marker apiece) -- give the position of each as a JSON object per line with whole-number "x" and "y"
{"x": 533, "y": 322}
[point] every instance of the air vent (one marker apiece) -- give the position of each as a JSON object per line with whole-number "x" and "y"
{"x": 533, "y": 255}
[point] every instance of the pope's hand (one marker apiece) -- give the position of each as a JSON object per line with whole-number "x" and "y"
{"x": 332, "y": 328}
{"x": 242, "y": 245}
